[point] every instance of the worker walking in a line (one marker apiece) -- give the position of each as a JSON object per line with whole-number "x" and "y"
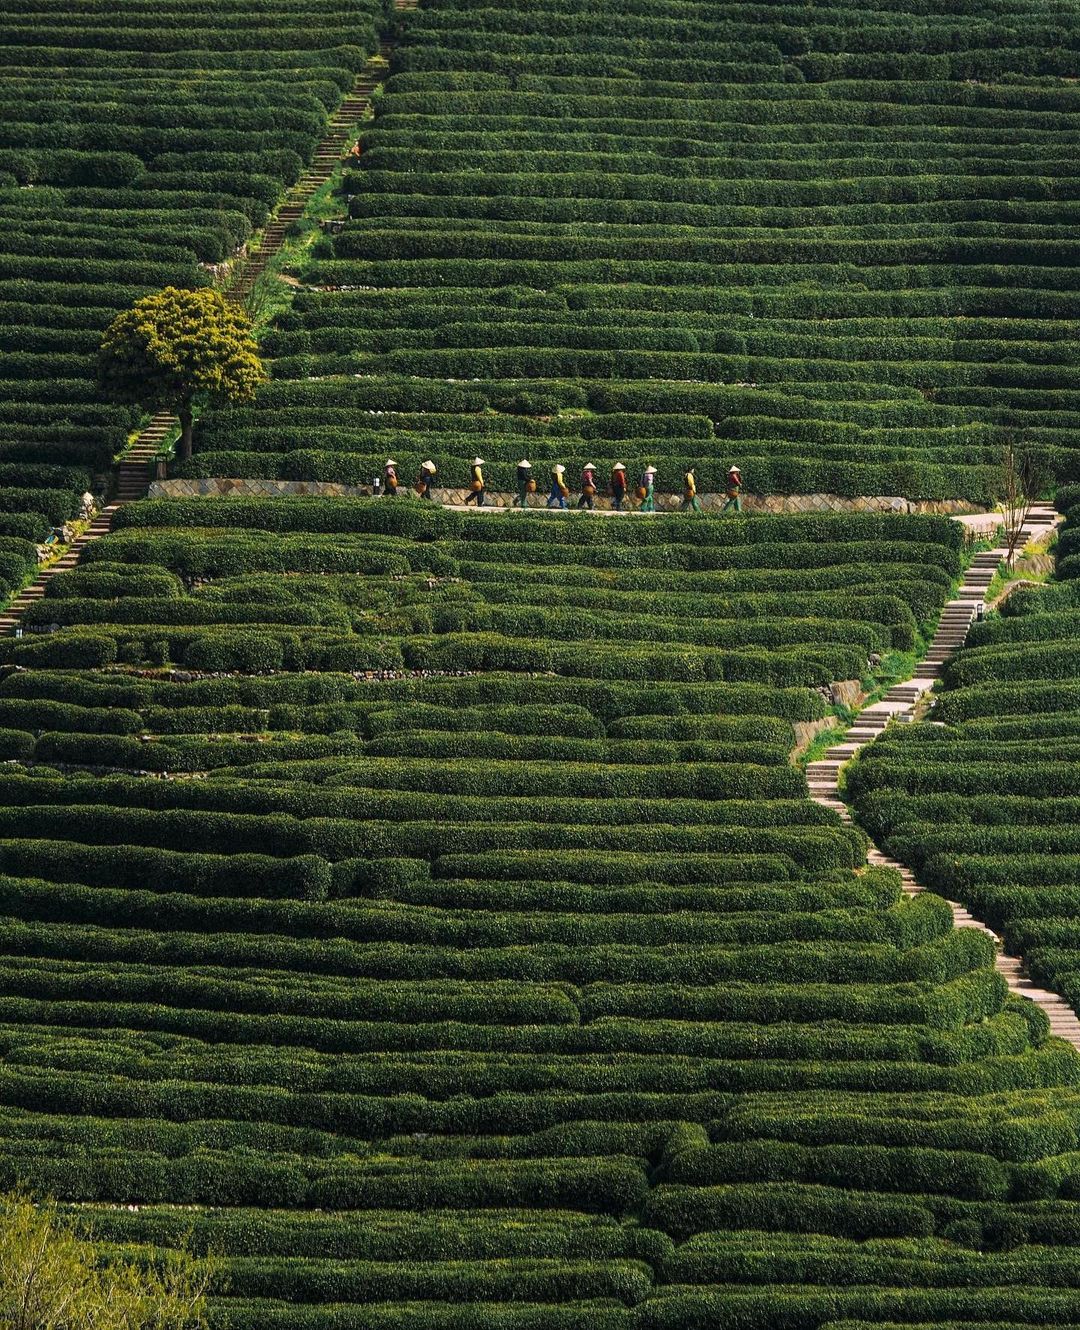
{"x": 476, "y": 485}
{"x": 618, "y": 487}
{"x": 425, "y": 480}
{"x": 734, "y": 488}
{"x": 588, "y": 487}
{"x": 390, "y": 478}
{"x": 690, "y": 497}
{"x": 560, "y": 490}
{"x": 525, "y": 483}
{"x": 648, "y": 480}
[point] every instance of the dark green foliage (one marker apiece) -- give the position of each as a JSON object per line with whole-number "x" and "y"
{"x": 423, "y": 910}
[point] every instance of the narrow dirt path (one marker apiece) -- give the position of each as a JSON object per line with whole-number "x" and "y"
{"x": 899, "y": 704}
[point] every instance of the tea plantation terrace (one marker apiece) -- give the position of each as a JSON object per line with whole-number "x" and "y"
{"x": 833, "y": 244}
{"x": 902, "y": 703}
{"x": 424, "y": 910}
{"x": 483, "y": 955}
{"x": 983, "y": 805}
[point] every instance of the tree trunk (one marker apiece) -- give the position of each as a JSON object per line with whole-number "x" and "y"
{"x": 183, "y": 448}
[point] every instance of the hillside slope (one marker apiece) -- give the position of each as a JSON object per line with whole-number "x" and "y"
{"x": 834, "y": 243}
{"x": 476, "y": 956}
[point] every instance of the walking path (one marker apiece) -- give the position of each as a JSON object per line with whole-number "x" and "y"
{"x": 132, "y": 482}
{"x": 340, "y": 134}
{"x": 899, "y": 704}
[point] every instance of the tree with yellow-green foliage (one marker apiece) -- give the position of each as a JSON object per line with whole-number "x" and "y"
{"x": 52, "y": 1279}
{"x": 176, "y": 349}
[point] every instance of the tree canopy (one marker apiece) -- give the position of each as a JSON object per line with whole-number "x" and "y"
{"x": 178, "y": 348}
{"x": 53, "y": 1279}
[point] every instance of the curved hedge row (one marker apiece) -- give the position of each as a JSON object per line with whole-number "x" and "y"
{"x": 473, "y": 947}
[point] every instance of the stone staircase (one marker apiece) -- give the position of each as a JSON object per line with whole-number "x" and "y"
{"x": 100, "y": 525}
{"x": 340, "y": 133}
{"x": 132, "y": 473}
{"x": 899, "y": 704}
{"x": 131, "y": 478}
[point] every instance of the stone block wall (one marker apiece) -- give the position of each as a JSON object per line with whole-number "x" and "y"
{"x": 216, "y": 486}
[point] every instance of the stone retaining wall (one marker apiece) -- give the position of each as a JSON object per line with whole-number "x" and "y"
{"x": 216, "y": 486}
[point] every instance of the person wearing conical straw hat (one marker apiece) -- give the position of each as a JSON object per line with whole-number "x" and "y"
{"x": 690, "y": 497}
{"x": 588, "y": 487}
{"x": 734, "y": 489}
{"x": 560, "y": 490}
{"x": 525, "y": 483}
{"x": 390, "y": 478}
{"x": 425, "y": 481}
{"x": 476, "y": 484}
{"x": 618, "y": 487}
{"x": 648, "y": 479}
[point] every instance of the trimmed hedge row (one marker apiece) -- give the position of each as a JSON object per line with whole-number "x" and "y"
{"x": 269, "y": 988}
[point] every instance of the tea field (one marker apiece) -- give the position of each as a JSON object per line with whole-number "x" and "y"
{"x": 425, "y": 911}
{"x": 833, "y": 243}
{"x": 141, "y": 144}
{"x": 985, "y": 804}
{"x": 431, "y": 903}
